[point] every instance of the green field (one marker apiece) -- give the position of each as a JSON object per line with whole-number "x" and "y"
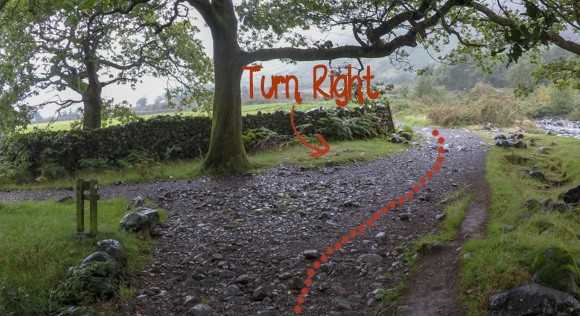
{"x": 246, "y": 109}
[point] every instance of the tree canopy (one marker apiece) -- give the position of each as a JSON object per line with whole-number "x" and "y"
{"x": 249, "y": 31}
{"x": 87, "y": 45}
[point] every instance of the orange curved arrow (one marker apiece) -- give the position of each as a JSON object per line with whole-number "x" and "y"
{"x": 318, "y": 151}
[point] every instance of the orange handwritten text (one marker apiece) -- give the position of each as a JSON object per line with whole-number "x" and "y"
{"x": 340, "y": 86}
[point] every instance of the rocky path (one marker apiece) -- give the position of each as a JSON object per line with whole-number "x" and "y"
{"x": 242, "y": 245}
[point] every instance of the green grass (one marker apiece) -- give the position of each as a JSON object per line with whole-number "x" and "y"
{"x": 38, "y": 243}
{"x": 340, "y": 153}
{"x": 502, "y": 260}
{"x": 414, "y": 120}
{"x": 246, "y": 109}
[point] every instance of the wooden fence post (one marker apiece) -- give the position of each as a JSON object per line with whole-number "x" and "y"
{"x": 93, "y": 197}
{"x": 80, "y": 206}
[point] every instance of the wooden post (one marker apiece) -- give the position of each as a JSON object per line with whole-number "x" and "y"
{"x": 80, "y": 206}
{"x": 93, "y": 197}
{"x": 93, "y": 206}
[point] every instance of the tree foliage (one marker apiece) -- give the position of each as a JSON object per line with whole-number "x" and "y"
{"x": 86, "y": 45}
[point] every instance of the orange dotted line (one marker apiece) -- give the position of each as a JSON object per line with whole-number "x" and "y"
{"x": 369, "y": 223}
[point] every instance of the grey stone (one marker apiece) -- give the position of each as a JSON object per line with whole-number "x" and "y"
{"x": 520, "y": 144}
{"x": 260, "y": 293}
{"x": 267, "y": 312}
{"x": 139, "y": 201}
{"x": 151, "y": 215}
{"x": 572, "y": 195}
{"x": 499, "y": 136}
{"x": 507, "y": 229}
{"x": 532, "y": 205}
{"x": 396, "y": 138}
{"x": 543, "y": 150}
{"x": 113, "y": 248}
{"x": 341, "y": 304}
{"x": 404, "y": 216}
{"x": 133, "y": 222}
{"x": 310, "y": 254}
{"x": 560, "y": 207}
{"x": 201, "y": 310}
{"x": 190, "y": 300}
{"x": 232, "y": 290}
{"x": 390, "y": 311}
{"x": 533, "y": 300}
{"x": 537, "y": 174}
{"x": 502, "y": 143}
{"x": 371, "y": 258}
{"x": 99, "y": 256}
{"x": 407, "y": 136}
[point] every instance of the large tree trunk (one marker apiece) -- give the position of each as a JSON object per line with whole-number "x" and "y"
{"x": 226, "y": 149}
{"x": 92, "y": 100}
{"x": 92, "y": 103}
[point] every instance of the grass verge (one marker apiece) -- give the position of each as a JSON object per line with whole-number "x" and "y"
{"x": 502, "y": 260}
{"x": 340, "y": 153}
{"x": 38, "y": 244}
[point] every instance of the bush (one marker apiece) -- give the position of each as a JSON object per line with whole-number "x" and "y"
{"x": 16, "y": 301}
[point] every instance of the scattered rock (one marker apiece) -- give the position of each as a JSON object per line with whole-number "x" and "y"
{"x": 499, "y": 136}
{"x": 468, "y": 255}
{"x": 371, "y": 258}
{"x": 502, "y": 143}
{"x": 537, "y": 174}
{"x": 99, "y": 256}
{"x": 560, "y": 207}
{"x": 341, "y": 304}
{"x": 531, "y": 300}
{"x": 244, "y": 279}
{"x": 532, "y": 205}
{"x": 543, "y": 150}
{"x": 407, "y": 136}
{"x": 572, "y": 195}
{"x": 404, "y": 216}
{"x": 65, "y": 199}
{"x": 260, "y": 293}
{"x": 137, "y": 202}
{"x": 138, "y": 221}
{"x": 520, "y": 144}
{"x": 114, "y": 249}
{"x": 396, "y": 138}
{"x": 507, "y": 229}
{"x": 232, "y": 290}
{"x": 133, "y": 222}
{"x": 350, "y": 204}
{"x": 440, "y": 216}
{"x": 201, "y": 310}
{"x": 310, "y": 254}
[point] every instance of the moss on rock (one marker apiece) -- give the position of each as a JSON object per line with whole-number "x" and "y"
{"x": 557, "y": 268}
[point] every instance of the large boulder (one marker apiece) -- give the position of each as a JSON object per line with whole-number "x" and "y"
{"x": 556, "y": 268}
{"x": 140, "y": 220}
{"x": 533, "y": 300}
{"x": 572, "y": 195}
